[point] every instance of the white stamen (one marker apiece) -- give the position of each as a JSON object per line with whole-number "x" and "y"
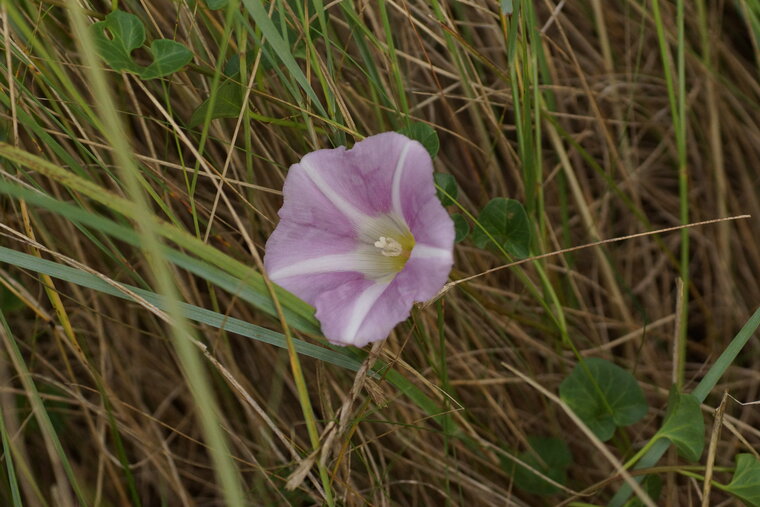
{"x": 389, "y": 246}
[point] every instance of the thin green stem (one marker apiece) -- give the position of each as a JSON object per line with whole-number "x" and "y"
{"x": 192, "y": 366}
{"x": 677, "y": 100}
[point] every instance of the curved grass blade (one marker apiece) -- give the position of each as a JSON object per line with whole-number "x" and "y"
{"x": 224, "y": 278}
{"x": 191, "y": 312}
{"x": 9, "y": 466}
{"x": 707, "y": 384}
{"x": 237, "y": 269}
{"x": 38, "y": 408}
{"x": 259, "y": 14}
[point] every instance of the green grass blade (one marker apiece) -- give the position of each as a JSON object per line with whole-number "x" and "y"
{"x": 182, "y": 238}
{"x": 192, "y": 312}
{"x": 704, "y": 387}
{"x": 256, "y": 9}
{"x": 38, "y": 407}
{"x": 10, "y": 468}
{"x": 206, "y": 410}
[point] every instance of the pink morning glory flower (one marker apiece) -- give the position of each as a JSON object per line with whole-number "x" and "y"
{"x": 362, "y": 236}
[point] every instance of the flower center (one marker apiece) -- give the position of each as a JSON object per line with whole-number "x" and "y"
{"x": 387, "y": 243}
{"x": 389, "y": 246}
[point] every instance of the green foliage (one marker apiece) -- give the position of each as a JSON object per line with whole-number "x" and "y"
{"x": 684, "y": 425}
{"x": 704, "y": 387}
{"x": 126, "y": 33}
{"x": 604, "y": 396}
{"x": 280, "y": 48}
{"x": 461, "y": 227}
{"x": 504, "y": 222}
{"x": 551, "y": 457}
{"x": 447, "y": 184}
{"x": 8, "y": 301}
{"x": 652, "y": 485}
{"x": 228, "y": 103}
{"x": 215, "y": 5}
{"x": 745, "y": 483}
{"x": 425, "y": 134}
{"x": 232, "y": 67}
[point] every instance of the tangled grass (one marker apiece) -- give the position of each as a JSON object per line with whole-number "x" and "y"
{"x": 605, "y": 119}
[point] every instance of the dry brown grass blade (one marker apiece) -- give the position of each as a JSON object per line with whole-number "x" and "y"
{"x": 588, "y": 117}
{"x": 616, "y": 464}
{"x": 450, "y": 285}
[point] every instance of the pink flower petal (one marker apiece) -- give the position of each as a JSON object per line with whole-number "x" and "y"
{"x": 363, "y": 175}
{"x": 420, "y": 280}
{"x": 340, "y": 208}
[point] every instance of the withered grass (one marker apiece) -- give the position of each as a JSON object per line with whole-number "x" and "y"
{"x": 576, "y": 124}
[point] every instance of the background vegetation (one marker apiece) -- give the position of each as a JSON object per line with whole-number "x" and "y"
{"x": 133, "y": 168}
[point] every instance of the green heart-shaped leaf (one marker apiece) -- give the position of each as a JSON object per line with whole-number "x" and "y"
{"x": 551, "y": 457}
{"x": 745, "y": 483}
{"x": 125, "y": 34}
{"x": 604, "y": 396}
{"x": 121, "y": 33}
{"x": 684, "y": 425}
{"x": 505, "y": 222}
{"x": 228, "y": 103}
{"x": 424, "y": 134}
{"x": 168, "y": 57}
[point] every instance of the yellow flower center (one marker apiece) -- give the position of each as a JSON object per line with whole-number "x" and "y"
{"x": 396, "y": 249}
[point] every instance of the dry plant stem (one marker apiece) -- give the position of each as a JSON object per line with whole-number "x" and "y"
{"x": 466, "y": 73}
{"x": 630, "y": 336}
{"x": 344, "y": 412}
{"x": 580, "y": 247}
{"x": 716, "y": 142}
{"x": 588, "y": 220}
{"x": 9, "y": 67}
{"x": 62, "y": 484}
{"x": 260, "y": 411}
{"x": 679, "y": 341}
{"x": 298, "y": 377}
{"x": 228, "y": 158}
{"x": 594, "y": 440}
{"x": 714, "y": 438}
{"x": 227, "y": 476}
{"x": 334, "y": 430}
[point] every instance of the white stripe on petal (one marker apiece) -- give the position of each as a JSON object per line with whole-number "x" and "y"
{"x": 363, "y": 305}
{"x": 316, "y": 265}
{"x": 366, "y": 261}
{"x": 421, "y": 251}
{"x": 396, "y": 185}
{"x": 345, "y": 207}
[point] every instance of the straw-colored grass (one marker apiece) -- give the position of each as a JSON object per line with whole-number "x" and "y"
{"x": 605, "y": 119}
